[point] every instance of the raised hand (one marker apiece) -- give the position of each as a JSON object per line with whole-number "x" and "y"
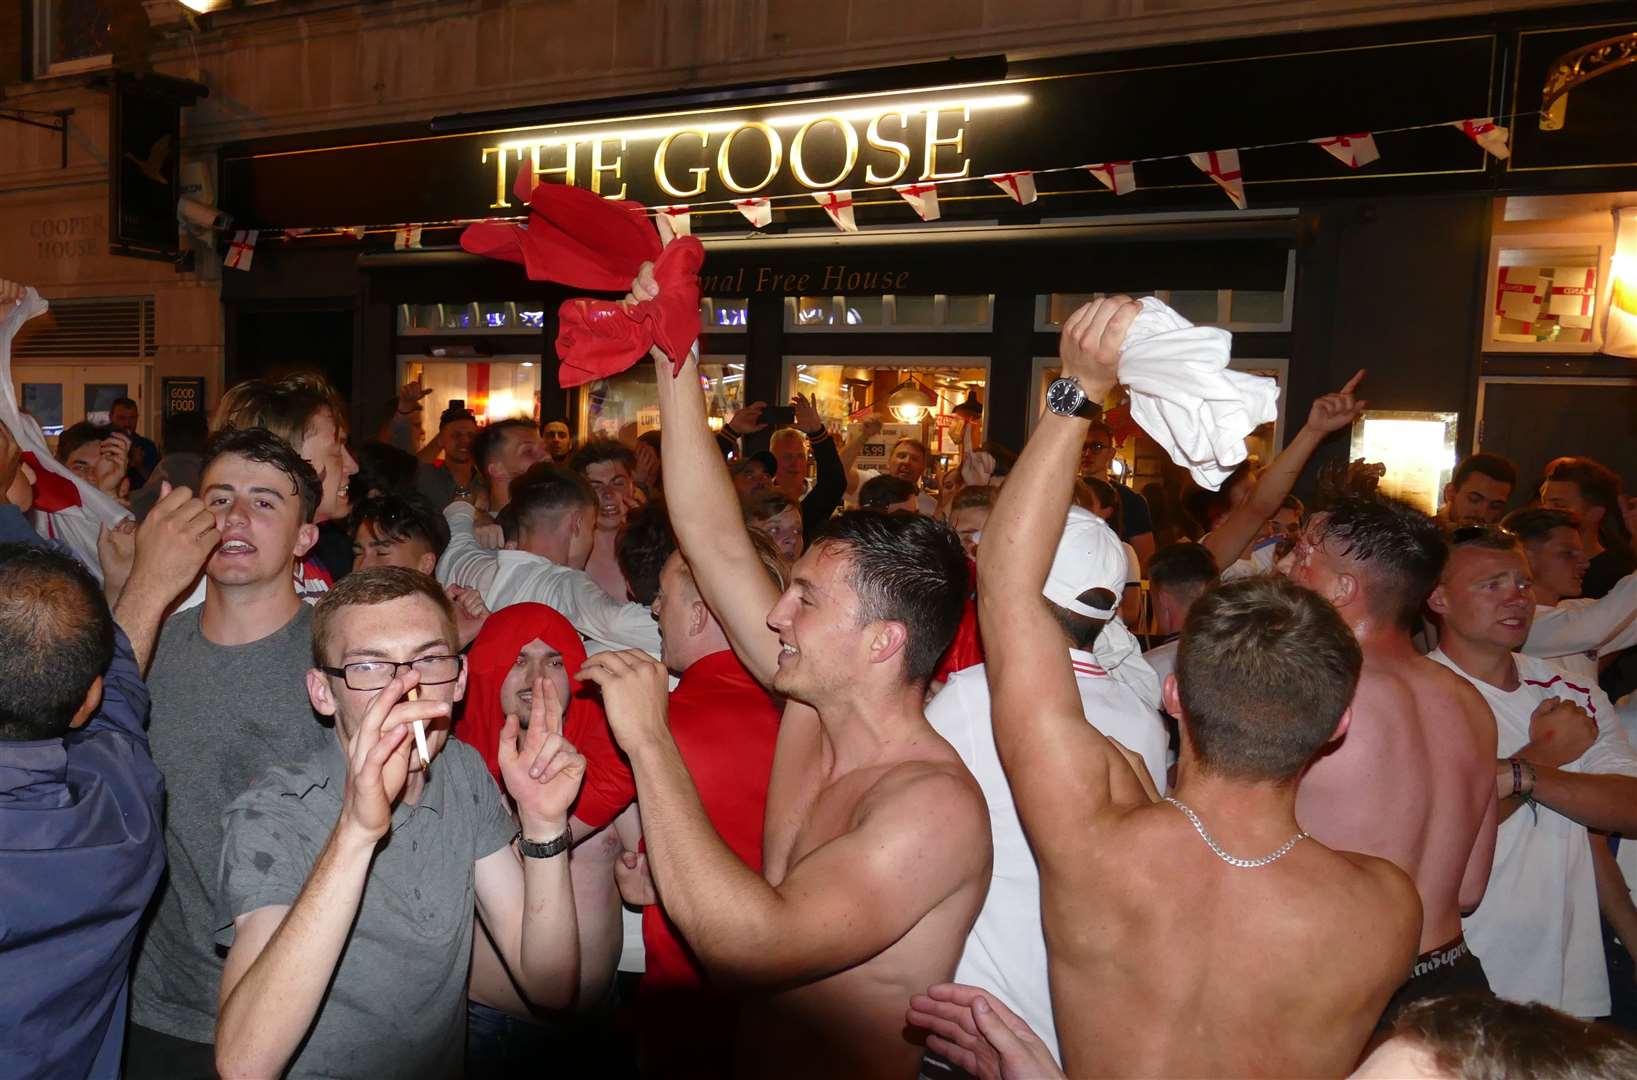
{"x": 644, "y": 287}
{"x": 409, "y": 395}
{"x": 977, "y": 1033}
{"x": 541, "y": 769}
{"x": 378, "y": 756}
{"x": 1559, "y": 732}
{"x": 173, "y": 542}
{"x": 977, "y": 466}
{"x": 807, "y": 415}
{"x": 647, "y": 465}
{"x": 116, "y": 551}
{"x": 1090, "y": 343}
{"x": 113, "y": 462}
{"x": 635, "y": 695}
{"x": 872, "y": 425}
{"x": 470, "y": 611}
{"x": 747, "y": 420}
{"x": 1332, "y": 412}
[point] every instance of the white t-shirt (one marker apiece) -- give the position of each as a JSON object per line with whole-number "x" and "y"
{"x": 1006, "y": 951}
{"x": 1537, "y": 929}
{"x": 1133, "y": 565}
{"x": 1575, "y": 633}
{"x": 1258, "y": 562}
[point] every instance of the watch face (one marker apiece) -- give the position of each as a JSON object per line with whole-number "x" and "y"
{"x": 1064, "y": 396}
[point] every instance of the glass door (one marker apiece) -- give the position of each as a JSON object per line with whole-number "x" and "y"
{"x": 61, "y": 395}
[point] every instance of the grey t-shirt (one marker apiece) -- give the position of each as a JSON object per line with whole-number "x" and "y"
{"x": 397, "y": 1004}
{"x": 222, "y": 716}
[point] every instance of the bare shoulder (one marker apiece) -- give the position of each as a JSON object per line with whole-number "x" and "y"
{"x": 933, "y": 804}
{"x": 1387, "y": 894}
{"x": 913, "y": 785}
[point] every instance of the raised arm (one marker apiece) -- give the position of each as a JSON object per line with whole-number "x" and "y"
{"x": 1061, "y": 769}
{"x": 1331, "y": 412}
{"x": 529, "y": 910}
{"x": 830, "y": 479}
{"x": 841, "y": 904}
{"x": 1604, "y": 625}
{"x": 172, "y": 543}
{"x": 465, "y": 562}
{"x": 706, "y": 517}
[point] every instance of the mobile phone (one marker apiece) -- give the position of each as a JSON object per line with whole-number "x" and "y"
{"x": 779, "y": 415}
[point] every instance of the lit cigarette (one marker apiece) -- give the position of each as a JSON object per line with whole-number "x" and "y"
{"x": 420, "y": 731}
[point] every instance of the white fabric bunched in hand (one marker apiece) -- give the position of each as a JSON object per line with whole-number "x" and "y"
{"x": 1185, "y": 396}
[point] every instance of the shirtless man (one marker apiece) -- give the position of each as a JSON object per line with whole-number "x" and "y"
{"x": 1414, "y": 780}
{"x": 876, "y": 845}
{"x": 1169, "y": 955}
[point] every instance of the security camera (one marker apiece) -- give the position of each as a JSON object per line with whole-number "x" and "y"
{"x": 201, "y": 215}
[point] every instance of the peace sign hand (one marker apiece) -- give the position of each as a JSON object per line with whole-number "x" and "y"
{"x": 540, "y": 767}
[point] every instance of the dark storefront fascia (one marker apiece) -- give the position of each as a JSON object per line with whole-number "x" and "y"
{"x": 1389, "y": 259}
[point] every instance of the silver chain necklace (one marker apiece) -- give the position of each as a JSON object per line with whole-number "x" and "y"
{"x": 1246, "y": 864}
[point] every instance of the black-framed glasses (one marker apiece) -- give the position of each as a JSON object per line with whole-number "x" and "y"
{"x": 375, "y": 674}
{"x": 1465, "y": 534}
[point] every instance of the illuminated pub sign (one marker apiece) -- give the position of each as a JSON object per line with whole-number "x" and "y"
{"x": 1055, "y": 115}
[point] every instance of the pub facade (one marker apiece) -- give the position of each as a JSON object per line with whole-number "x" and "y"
{"x": 1408, "y": 266}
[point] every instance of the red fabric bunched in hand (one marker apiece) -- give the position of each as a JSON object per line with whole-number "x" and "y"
{"x": 53, "y": 492}
{"x": 577, "y": 238}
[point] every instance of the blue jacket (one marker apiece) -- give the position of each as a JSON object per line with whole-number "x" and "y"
{"x": 81, "y": 853}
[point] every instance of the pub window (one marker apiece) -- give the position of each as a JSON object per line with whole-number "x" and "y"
{"x": 72, "y": 35}
{"x": 626, "y": 405}
{"x": 916, "y": 398}
{"x": 487, "y": 317}
{"x": 1261, "y": 310}
{"x": 724, "y": 314}
{"x": 497, "y": 388}
{"x": 890, "y": 312}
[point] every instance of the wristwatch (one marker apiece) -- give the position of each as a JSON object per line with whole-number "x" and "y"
{"x": 533, "y": 849}
{"x": 1065, "y": 398}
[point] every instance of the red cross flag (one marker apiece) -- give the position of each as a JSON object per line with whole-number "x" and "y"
{"x": 241, "y": 251}
{"x": 1114, "y": 175}
{"x": 1019, "y": 185}
{"x": 1223, "y": 167}
{"x": 839, "y": 205}
{"x": 922, "y": 198}
{"x": 405, "y": 237}
{"x": 673, "y": 221}
{"x": 758, "y": 212}
{"x": 1487, "y": 134}
{"x": 1353, "y": 151}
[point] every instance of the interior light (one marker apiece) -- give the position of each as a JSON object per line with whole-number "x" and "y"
{"x": 714, "y": 422}
{"x": 909, "y": 414}
{"x": 526, "y": 363}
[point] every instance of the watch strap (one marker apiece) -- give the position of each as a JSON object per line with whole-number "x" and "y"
{"x": 534, "y": 849}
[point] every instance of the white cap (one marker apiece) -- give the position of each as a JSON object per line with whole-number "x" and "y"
{"x": 1089, "y": 556}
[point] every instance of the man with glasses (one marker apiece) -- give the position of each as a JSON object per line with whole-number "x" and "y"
{"x": 227, "y": 706}
{"x": 1563, "y": 766}
{"x": 1136, "y": 524}
{"x": 351, "y": 877}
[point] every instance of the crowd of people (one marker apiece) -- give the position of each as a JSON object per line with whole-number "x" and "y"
{"x": 476, "y": 751}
